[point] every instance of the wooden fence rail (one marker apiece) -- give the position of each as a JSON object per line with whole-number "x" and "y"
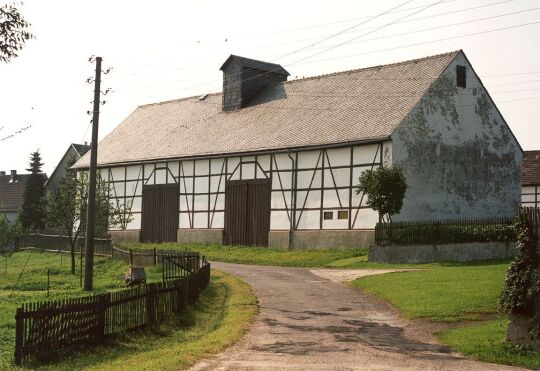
{"x": 60, "y": 324}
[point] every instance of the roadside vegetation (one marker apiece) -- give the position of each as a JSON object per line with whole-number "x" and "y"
{"x": 227, "y": 306}
{"x": 456, "y": 292}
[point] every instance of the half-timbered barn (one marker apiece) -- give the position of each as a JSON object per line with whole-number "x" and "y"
{"x": 530, "y": 196}
{"x": 272, "y": 162}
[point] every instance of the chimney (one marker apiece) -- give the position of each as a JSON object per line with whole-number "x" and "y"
{"x": 2, "y": 173}
{"x": 244, "y": 78}
{"x": 13, "y": 176}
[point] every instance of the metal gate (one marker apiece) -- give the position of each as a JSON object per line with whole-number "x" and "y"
{"x": 247, "y": 212}
{"x": 160, "y": 205}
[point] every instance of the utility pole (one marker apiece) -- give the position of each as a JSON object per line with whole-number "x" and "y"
{"x": 91, "y": 217}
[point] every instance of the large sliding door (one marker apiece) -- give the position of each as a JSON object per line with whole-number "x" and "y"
{"x": 159, "y": 213}
{"x": 247, "y": 212}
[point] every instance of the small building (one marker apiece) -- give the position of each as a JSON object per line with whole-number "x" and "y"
{"x": 72, "y": 154}
{"x": 272, "y": 162}
{"x": 12, "y": 193}
{"x": 530, "y": 195}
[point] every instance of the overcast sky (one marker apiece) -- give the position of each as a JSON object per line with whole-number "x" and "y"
{"x": 163, "y": 50}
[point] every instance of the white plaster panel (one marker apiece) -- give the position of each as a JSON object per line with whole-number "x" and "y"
{"x": 185, "y": 203}
{"x": 173, "y": 169}
{"x": 201, "y": 185}
{"x": 283, "y": 161}
{"x": 331, "y": 199}
{"x": 313, "y": 199}
{"x": 103, "y": 174}
{"x": 304, "y": 179}
{"x": 528, "y": 189}
{"x": 117, "y": 173}
{"x": 201, "y": 167}
{"x": 308, "y": 159}
{"x": 186, "y": 168}
{"x": 336, "y": 224}
{"x": 148, "y": 169}
{"x": 341, "y": 177}
{"x": 528, "y": 198}
{"x": 338, "y": 157}
{"x": 232, "y": 163}
{"x": 248, "y": 171}
{"x": 184, "y": 221}
{"x": 264, "y": 162}
{"x": 216, "y": 164}
{"x": 285, "y": 178}
{"x": 277, "y": 202}
{"x": 219, "y": 220}
{"x": 365, "y": 154}
{"x": 279, "y": 220}
{"x": 357, "y": 171}
{"x": 366, "y": 219}
{"x": 117, "y": 189}
{"x": 310, "y": 219}
{"x": 161, "y": 176}
{"x": 186, "y": 185}
{"x": 201, "y": 202}
{"x": 134, "y": 188}
{"x": 387, "y": 153}
{"x": 200, "y": 220}
{"x": 136, "y": 204}
{"x": 215, "y": 184}
{"x": 134, "y": 172}
{"x": 218, "y": 200}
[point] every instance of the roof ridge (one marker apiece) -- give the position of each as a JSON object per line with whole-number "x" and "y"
{"x": 318, "y": 76}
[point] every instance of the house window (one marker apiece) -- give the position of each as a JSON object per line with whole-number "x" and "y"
{"x": 328, "y": 215}
{"x": 461, "y": 77}
{"x": 343, "y": 214}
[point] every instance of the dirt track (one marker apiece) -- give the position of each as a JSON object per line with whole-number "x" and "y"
{"x": 308, "y": 322}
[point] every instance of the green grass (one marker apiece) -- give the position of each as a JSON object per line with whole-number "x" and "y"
{"x": 486, "y": 342}
{"x": 453, "y": 292}
{"x": 220, "y": 317}
{"x": 330, "y": 258}
{"x": 220, "y": 306}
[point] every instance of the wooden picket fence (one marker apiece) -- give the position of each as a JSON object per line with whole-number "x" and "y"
{"x": 50, "y": 242}
{"x": 56, "y": 325}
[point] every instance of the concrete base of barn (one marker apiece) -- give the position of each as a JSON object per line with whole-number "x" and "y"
{"x": 518, "y": 332}
{"x": 203, "y": 236}
{"x": 128, "y": 235}
{"x": 445, "y": 252}
{"x": 321, "y": 239}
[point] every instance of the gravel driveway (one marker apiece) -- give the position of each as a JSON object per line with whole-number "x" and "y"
{"x": 309, "y": 322}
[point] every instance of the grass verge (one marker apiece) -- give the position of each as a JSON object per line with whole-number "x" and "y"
{"x": 220, "y": 317}
{"x": 453, "y": 292}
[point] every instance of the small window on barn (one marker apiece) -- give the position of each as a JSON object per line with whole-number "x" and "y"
{"x": 343, "y": 214}
{"x": 328, "y": 215}
{"x": 461, "y": 77}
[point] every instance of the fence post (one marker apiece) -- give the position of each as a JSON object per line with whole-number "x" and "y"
{"x": 19, "y": 328}
{"x": 155, "y": 257}
{"x": 130, "y": 257}
{"x": 150, "y": 304}
{"x": 104, "y": 304}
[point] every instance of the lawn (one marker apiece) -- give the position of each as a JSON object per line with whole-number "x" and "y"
{"x": 210, "y": 314}
{"x": 454, "y": 292}
{"x": 330, "y": 258}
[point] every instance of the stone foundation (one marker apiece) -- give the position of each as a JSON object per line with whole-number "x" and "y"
{"x": 128, "y": 235}
{"x": 321, "y": 239}
{"x": 203, "y": 236}
{"x": 445, "y": 252}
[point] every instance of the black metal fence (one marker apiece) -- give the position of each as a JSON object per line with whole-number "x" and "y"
{"x": 448, "y": 231}
{"x": 55, "y": 325}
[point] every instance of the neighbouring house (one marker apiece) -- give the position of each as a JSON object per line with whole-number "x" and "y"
{"x": 11, "y": 193}
{"x": 73, "y": 154}
{"x": 530, "y": 195}
{"x": 275, "y": 162}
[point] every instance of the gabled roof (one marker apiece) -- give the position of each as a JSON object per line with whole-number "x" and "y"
{"x": 352, "y": 106}
{"x": 11, "y": 193}
{"x": 531, "y": 168}
{"x": 81, "y": 148}
{"x": 74, "y": 150}
{"x": 255, "y": 64}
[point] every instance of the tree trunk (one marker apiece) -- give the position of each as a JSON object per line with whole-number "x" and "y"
{"x": 72, "y": 253}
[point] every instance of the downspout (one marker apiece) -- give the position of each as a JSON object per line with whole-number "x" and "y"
{"x": 293, "y": 207}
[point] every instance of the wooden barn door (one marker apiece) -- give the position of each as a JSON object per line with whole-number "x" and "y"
{"x": 159, "y": 213}
{"x": 247, "y": 212}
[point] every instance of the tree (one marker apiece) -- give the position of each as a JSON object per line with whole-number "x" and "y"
{"x": 385, "y": 189}
{"x": 34, "y": 211}
{"x": 13, "y": 32}
{"x": 9, "y": 233}
{"x": 68, "y": 208}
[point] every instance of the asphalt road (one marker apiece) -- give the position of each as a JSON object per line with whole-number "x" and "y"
{"x": 308, "y": 322}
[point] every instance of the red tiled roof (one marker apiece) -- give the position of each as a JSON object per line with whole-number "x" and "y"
{"x": 11, "y": 193}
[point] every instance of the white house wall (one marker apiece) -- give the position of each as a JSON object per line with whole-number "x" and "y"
{"x": 305, "y": 186}
{"x": 530, "y": 196}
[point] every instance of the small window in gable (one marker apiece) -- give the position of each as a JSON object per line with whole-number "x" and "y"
{"x": 343, "y": 214}
{"x": 328, "y": 215}
{"x": 461, "y": 77}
